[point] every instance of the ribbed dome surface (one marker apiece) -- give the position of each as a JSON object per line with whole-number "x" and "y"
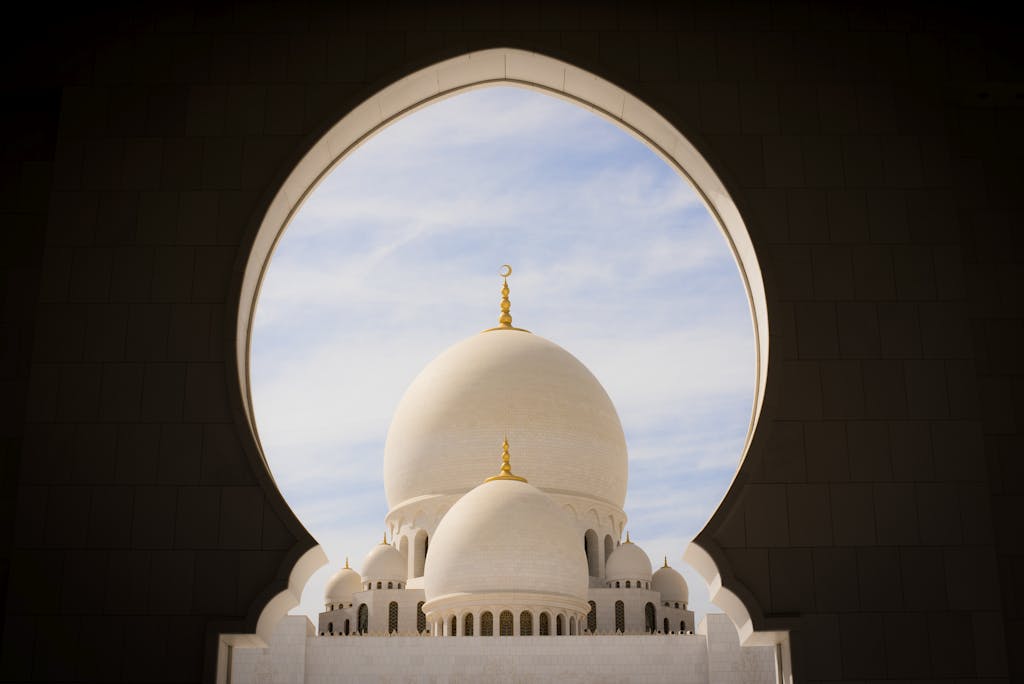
{"x": 384, "y": 562}
{"x": 506, "y": 536}
{"x": 342, "y": 585}
{"x": 628, "y": 562}
{"x": 567, "y": 434}
{"x": 671, "y": 585}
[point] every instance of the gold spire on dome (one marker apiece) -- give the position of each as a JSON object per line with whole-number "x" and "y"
{"x": 627, "y": 537}
{"x": 506, "y": 467}
{"x": 505, "y": 319}
{"x": 385, "y": 539}
{"x": 666, "y": 562}
{"x": 346, "y": 563}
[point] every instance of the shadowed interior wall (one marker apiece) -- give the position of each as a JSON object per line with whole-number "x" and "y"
{"x": 874, "y": 151}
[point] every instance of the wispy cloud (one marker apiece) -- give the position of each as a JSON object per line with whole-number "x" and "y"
{"x": 393, "y": 259}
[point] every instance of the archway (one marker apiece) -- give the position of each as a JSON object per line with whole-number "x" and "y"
{"x": 539, "y": 72}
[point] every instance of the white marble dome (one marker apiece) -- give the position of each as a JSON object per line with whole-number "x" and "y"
{"x": 384, "y": 562}
{"x": 671, "y": 585}
{"x": 567, "y": 434}
{"x": 506, "y": 537}
{"x": 628, "y": 562}
{"x": 342, "y": 585}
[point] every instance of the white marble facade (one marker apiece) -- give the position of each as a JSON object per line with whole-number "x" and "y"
{"x": 296, "y": 655}
{"x": 523, "y": 541}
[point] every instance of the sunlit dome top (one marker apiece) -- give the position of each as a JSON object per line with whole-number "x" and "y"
{"x": 628, "y": 562}
{"x": 506, "y": 536}
{"x": 384, "y": 562}
{"x": 342, "y": 585}
{"x": 670, "y": 584}
{"x": 505, "y": 381}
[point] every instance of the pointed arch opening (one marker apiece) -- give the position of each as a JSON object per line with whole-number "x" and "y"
{"x": 539, "y": 72}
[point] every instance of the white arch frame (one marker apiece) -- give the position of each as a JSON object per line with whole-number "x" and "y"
{"x": 503, "y": 66}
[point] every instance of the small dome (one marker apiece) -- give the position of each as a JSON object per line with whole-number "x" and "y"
{"x": 670, "y": 584}
{"x": 384, "y": 562}
{"x": 628, "y": 562}
{"x": 342, "y": 585}
{"x": 506, "y": 536}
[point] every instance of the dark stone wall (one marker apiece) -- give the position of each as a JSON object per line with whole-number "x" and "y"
{"x": 873, "y": 149}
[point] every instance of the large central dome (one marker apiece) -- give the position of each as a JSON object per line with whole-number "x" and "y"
{"x": 505, "y": 381}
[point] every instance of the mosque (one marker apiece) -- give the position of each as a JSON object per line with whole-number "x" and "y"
{"x": 505, "y": 471}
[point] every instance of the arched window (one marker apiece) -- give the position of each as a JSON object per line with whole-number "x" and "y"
{"x": 392, "y": 617}
{"x": 545, "y": 625}
{"x": 399, "y": 585}
{"x": 346, "y": 627}
{"x": 682, "y": 626}
{"x": 453, "y": 626}
{"x": 620, "y": 617}
{"x": 467, "y": 625}
{"x": 391, "y": 585}
{"x": 421, "y": 618}
{"x": 526, "y": 623}
{"x": 487, "y": 624}
{"x": 591, "y": 547}
{"x": 330, "y": 628}
{"x": 364, "y": 619}
{"x": 609, "y": 546}
{"x": 592, "y": 618}
{"x": 627, "y": 584}
{"x": 417, "y": 554}
{"x": 649, "y": 621}
{"x": 505, "y": 623}
{"x": 666, "y": 626}
{"x": 559, "y": 628}
{"x": 378, "y": 585}
{"x": 616, "y": 584}
{"x": 677, "y": 604}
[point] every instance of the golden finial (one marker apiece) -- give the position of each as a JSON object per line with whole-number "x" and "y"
{"x": 385, "y": 539}
{"x": 505, "y": 319}
{"x": 627, "y": 537}
{"x": 346, "y": 563}
{"x": 506, "y": 466}
{"x": 666, "y": 562}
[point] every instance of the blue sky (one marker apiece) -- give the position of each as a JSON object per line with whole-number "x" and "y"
{"x": 395, "y": 256}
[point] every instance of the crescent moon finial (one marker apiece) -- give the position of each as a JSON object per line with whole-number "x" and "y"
{"x": 505, "y": 319}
